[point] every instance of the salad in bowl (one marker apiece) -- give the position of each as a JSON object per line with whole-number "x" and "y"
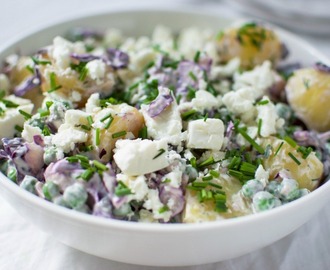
{"x": 179, "y": 127}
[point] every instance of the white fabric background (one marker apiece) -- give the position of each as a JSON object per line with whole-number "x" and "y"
{"x": 23, "y": 246}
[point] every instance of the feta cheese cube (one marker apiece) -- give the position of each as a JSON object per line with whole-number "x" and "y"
{"x": 93, "y": 102}
{"x": 96, "y": 70}
{"x": 208, "y": 134}
{"x": 67, "y": 137}
{"x": 268, "y": 115}
{"x": 11, "y": 116}
{"x": 205, "y": 101}
{"x": 138, "y": 157}
{"x": 76, "y": 118}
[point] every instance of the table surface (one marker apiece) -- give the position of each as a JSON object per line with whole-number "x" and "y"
{"x": 23, "y": 246}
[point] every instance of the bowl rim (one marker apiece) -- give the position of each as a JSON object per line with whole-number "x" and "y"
{"x": 69, "y": 214}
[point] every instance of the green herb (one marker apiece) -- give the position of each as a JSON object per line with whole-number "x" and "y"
{"x": 278, "y": 149}
{"x": 2, "y": 93}
{"x": 158, "y": 49}
{"x": 46, "y": 131}
{"x": 119, "y": 134}
{"x": 122, "y": 190}
{"x": 163, "y": 209}
{"x": 53, "y": 86}
{"x": 88, "y": 128}
{"x": 97, "y": 136}
{"x": 26, "y": 115}
{"x": 160, "y": 152}
{"x": 9, "y": 104}
{"x": 294, "y": 158}
{"x": 305, "y": 151}
{"x": 90, "y": 119}
{"x": 193, "y": 76}
{"x": 83, "y": 73}
{"x": 87, "y": 174}
{"x": 191, "y": 92}
{"x": 166, "y": 180}
{"x": 259, "y": 126}
{"x": 30, "y": 69}
{"x": 100, "y": 166}
{"x": 207, "y": 162}
{"x": 188, "y": 115}
{"x": 18, "y": 128}
{"x": 196, "y": 57}
{"x": 290, "y": 141}
{"x": 143, "y": 133}
{"x": 133, "y": 86}
{"x": 263, "y": 102}
{"x": 250, "y": 140}
{"x": 193, "y": 162}
{"x": 40, "y": 61}
{"x": 215, "y": 185}
{"x": 106, "y": 117}
{"x": 306, "y": 83}
{"x": 215, "y": 174}
{"x": 220, "y": 35}
{"x": 220, "y": 202}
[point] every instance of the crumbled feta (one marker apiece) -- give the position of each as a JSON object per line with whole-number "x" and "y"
{"x": 62, "y": 49}
{"x": 241, "y": 102}
{"x": 138, "y": 157}
{"x": 262, "y": 175}
{"x": 268, "y": 115}
{"x": 11, "y": 117}
{"x": 205, "y": 134}
{"x": 76, "y": 118}
{"x": 96, "y": 70}
{"x": 227, "y": 70}
{"x": 30, "y": 131}
{"x": 153, "y": 203}
{"x": 67, "y": 137}
{"x": 205, "y": 101}
{"x": 167, "y": 125}
{"x": 260, "y": 79}
{"x": 4, "y": 82}
{"x": 252, "y": 131}
{"x": 175, "y": 178}
{"x": 137, "y": 185}
{"x": 93, "y": 102}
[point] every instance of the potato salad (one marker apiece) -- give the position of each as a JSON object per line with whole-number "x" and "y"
{"x": 176, "y": 127}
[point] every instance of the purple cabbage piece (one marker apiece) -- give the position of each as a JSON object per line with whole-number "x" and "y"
{"x": 118, "y": 59}
{"x": 28, "y": 84}
{"x": 103, "y": 208}
{"x": 167, "y": 193}
{"x": 163, "y": 100}
{"x": 38, "y": 140}
{"x": 84, "y": 57}
{"x": 63, "y": 173}
{"x": 322, "y": 67}
{"x": 26, "y": 157}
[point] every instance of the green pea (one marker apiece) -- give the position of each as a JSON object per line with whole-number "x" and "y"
{"x": 251, "y": 187}
{"x": 289, "y": 190}
{"x": 273, "y": 188}
{"x": 263, "y": 201}
{"x": 123, "y": 210}
{"x": 50, "y": 190}
{"x": 75, "y": 195}
{"x": 29, "y": 183}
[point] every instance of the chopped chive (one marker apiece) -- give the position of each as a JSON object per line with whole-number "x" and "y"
{"x": 294, "y": 158}
{"x": 199, "y": 184}
{"x": 193, "y": 162}
{"x": 133, "y": 86}
{"x": 191, "y": 92}
{"x": 86, "y": 175}
{"x": 166, "y": 180}
{"x": 196, "y": 57}
{"x": 215, "y": 174}
{"x": 54, "y": 89}
{"x": 306, "y": 83}
{"x": 119, "y": 134}
{"x": 259, "y": 126}
{"x": 30, "y": 69}
{"x": 46, "y": 131}
{"x": 2, "y": 93}
{"x": 160, "y": 152}
{"x": 220, "y": 202}
{"x": 187, "y": 115}
{"x": 9, "y": 104}
{"x": 88, "y": 128}
{"x": 163, "y": 209}
{"x": 250, "y": 140}
{"x": 290, "y": 141}
{"x": 26, "y": 115}
{"x": 106, "y": 117}
{"x": 83, "y": 73}
{"x": 100, "y": 165}
{"x": 44, "y": 113}
{"x": 215, "y": 185}
{"x": 263, "y": 102}
{"x": 108, "y": 124}
{"x": 207, "y": 162}
{"x": 193, "y": 76}
{"x": 97, "y": 136}
{"x": 206, "y": 116}
{"x": 52, "y": 78}
{"x": 49, "y": 104}
{"x": 305, "y": 151}
{"x": 143, "y": 132}
{"x": 90, "y": 119}
{"x": 207, "y": 178}
{"x": 40, "y": 61}
{"x": 248, "y": 168}
{"x": 18, "y": 128}
{"x": 122, "y": 190}
{"x": 278, "y": 149}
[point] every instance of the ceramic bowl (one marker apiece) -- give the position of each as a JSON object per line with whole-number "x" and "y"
{"x": 160, "y": 244}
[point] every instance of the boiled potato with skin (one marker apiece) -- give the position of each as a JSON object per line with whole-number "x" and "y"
{"x": 196, "y": 211}
{"x": 308, "y": 93}
{"x": 251, "y": 43}
{"x": 124, "y": 118}
{"x": 307, "y": 174}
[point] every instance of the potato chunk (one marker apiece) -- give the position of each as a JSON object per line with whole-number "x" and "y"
{"x": 308, "y": 93}
{"x": 307, "y": 174}
{"x": 252, "y": 43}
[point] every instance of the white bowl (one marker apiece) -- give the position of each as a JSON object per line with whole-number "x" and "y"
{"x": 160, "y": 244}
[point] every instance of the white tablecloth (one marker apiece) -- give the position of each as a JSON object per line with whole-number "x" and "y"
{"x": 23, "y": 246}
